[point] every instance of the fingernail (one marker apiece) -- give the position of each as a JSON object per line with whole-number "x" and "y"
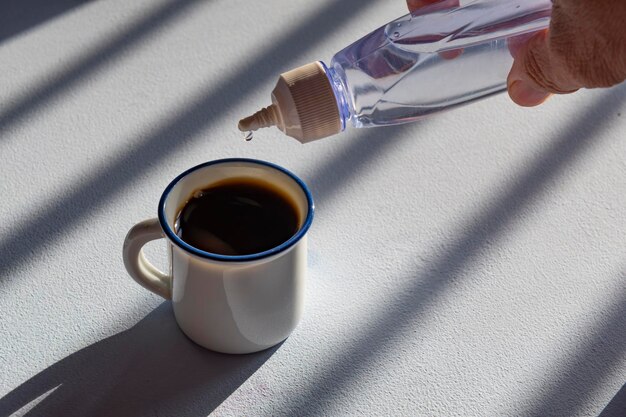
{"x": 418, "y": 4}
{"x": 525, "y": 95}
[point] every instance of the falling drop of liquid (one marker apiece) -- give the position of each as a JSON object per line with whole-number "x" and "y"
{"x": 248, "y": 136}
{"x": 198, "y": 194}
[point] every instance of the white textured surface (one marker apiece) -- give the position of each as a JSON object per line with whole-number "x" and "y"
{"x": 469, "y": 265}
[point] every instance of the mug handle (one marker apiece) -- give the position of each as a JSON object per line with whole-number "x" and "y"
{"x": 139, "y": 268}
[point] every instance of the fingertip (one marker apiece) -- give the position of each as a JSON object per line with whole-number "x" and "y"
{"x": 451, "y": 54}
{"x": 414, "y": 5}
{"x": 525, "y": 95}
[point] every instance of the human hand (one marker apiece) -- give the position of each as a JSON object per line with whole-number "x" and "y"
{"x": 413, "y": 5}
{"x": 584, "y": 47}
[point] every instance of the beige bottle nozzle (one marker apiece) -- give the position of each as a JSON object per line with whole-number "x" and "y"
{"x": 303, "y": 106}
{"x": 263, "y": 118}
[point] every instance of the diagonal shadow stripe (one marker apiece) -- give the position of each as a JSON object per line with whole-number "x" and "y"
{"x": 413, "y": 299}
{"x": 348, "y": 162}
{"x": 576, "y": 384}
{"x": 17, "y": 16}
{"x": 99, "y": 58}
{"x": 617, "y": 406}
{"x": 147, "y": 151}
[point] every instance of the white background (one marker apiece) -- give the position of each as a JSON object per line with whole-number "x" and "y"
{"x": 468, "y": 265}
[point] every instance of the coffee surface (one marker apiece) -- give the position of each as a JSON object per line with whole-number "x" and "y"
{"x": 239, "y": 216}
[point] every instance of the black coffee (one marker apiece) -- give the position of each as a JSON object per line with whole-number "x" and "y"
{"x": 239, "y": 216}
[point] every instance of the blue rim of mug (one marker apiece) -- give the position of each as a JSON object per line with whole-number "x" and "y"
{"x": 237, "y": 258}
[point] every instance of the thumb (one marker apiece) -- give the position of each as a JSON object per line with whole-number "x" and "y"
{"x": 536, "y": 72}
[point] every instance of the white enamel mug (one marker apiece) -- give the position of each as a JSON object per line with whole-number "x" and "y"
{"x": 229, "y": 304}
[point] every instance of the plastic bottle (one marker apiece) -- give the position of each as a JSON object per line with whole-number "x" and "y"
{"x": 437, "y": 58}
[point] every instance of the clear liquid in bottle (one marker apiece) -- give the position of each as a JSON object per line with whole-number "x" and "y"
{"x": 436, "y": 60}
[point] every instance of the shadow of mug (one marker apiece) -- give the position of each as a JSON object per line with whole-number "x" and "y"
{"x": 150, "y": 369}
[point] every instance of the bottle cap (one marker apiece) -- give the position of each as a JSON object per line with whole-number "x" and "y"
{"x": 303, "y": 105}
